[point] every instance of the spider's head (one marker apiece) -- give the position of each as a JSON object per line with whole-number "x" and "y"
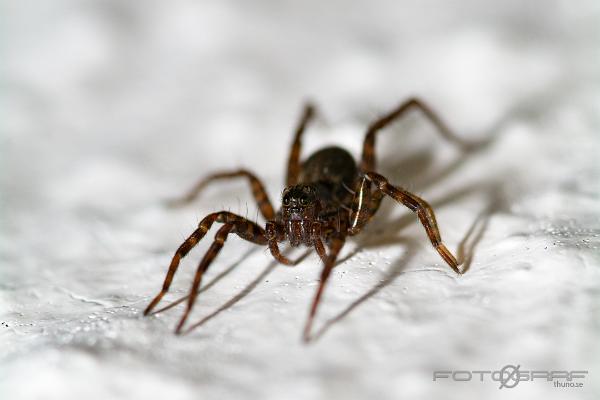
{"x": 299, "y": 210}
{"x": 299, "y": 203}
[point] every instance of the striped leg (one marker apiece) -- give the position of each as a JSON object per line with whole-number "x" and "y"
{"x": 423, "y": 211}
{"x": 258, "y": 190}
{"x": 368, "y": 156}
{"x": 336, "y": 245}
{"x": 275, "y": 233}
{"x": 243, "y": 227}
{"x": 364, "y": 205}
{"x": 370, "y": 202}
{"x": 318, "y": 241}
{"x": 293, "y": 171}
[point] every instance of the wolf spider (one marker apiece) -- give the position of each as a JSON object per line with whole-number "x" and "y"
{"x": 327, "y": 198}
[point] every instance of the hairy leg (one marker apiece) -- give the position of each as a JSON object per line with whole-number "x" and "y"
{"x": 318, "y": 241}
{"x": 252, "y": 233}
{"x": 336, "y": 245}
{"x": 368, "y": 157}
{"x": 258, "y": 190}
{"x": 243, "y": 227}
{"x": 364, "y": 205}
{"x": 275, "y": 233}
{"x": 368, "y": 203}
{"x": 293, "y": 170}
{"x": 422, "y": 209}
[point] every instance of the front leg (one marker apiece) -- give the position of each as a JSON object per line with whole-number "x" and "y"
{"x": 274, "y": 233}
{"x": 337, "y": 242}
{"x": 244, "y": 228}
{"x": 424, "y": 213}
{"x": 318, "y": 241}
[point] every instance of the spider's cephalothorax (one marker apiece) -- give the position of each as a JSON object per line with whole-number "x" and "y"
{"x": 300, "y": 210}
{"x": 327, "y": 198}
{"x": 319, "y": 205}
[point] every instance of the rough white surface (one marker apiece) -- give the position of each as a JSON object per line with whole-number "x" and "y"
{"x": 110, "y": 107}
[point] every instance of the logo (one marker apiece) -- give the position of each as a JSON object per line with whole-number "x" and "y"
{"x": 509, "y": 376}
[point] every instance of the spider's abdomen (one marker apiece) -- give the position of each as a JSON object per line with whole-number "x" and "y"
{"x": 332, "y": 167}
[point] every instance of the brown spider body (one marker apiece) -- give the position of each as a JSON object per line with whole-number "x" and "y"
{"x": 319, "y": 204}
{"x": 327, "y": 198}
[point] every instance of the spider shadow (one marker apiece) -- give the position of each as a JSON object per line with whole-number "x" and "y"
{"x": 380, "y": 234}
{"x": 397, "y": 270}
{"x": 418, "y": 167}
{"x": 239, "y": 296}
{"x": 210, "y": 284}
{"x": 243, "y": 293}
{"x": 466, "y": 248}
{"x": 465, "y": 252}
{"x": 415, "y": 166}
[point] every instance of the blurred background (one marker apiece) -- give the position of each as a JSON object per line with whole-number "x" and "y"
{"x": 109, "y": 107}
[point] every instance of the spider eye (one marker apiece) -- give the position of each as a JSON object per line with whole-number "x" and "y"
{"x": 286, "y": 200}
{"x": 304, "y": 201}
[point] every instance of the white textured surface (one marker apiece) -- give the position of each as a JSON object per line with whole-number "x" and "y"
{"x": 109, "y": 107}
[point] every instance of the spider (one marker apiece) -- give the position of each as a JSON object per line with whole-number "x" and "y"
{"x": 327, "y": 198}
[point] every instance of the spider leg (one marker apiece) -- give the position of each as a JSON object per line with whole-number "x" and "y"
{"x": 337, "y": 242}
{"x": 318, "y": 242}
{"x": 364, "y": 205}
{"x": 367, "y": 203}
{"x": 258, "y": 190}
{"x": 274, "y": 233}
{"x": 293, "y": 171}
{"x": 424, "y": 213}
{"x": 244, "y": 228}
{"x": 368, "y": 156}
